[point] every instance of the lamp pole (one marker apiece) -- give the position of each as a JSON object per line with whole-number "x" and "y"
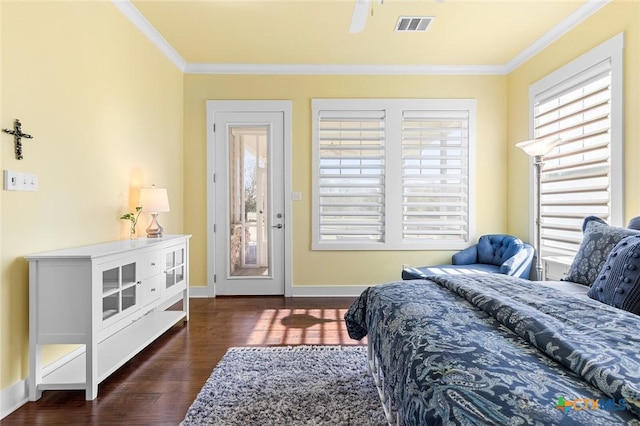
{"x": 538, "y": 162}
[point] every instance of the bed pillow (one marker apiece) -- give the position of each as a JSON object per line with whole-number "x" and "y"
{"x": 618, "y": 284}
{"x": 598, "y": 240}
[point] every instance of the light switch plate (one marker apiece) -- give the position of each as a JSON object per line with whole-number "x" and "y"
{"x": 17, "y": 181}
{"x": 10, "y": 181}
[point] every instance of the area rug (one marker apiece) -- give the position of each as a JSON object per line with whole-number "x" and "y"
{"x": 294, "y": 385}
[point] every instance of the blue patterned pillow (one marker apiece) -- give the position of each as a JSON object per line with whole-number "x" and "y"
{"x": 598, "y": 240}
{"x": 619, "y": 282}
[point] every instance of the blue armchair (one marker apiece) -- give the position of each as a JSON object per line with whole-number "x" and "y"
{"x": 493, "y": 254}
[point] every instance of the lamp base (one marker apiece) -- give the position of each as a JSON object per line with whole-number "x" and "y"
{"x": 154, "y": 230}
{"x": 540, "y": 273}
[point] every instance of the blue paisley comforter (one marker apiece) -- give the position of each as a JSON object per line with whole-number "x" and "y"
{"x": 493, "y": 349}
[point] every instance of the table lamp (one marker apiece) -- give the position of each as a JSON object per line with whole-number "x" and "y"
{"x": 154, "y": 200}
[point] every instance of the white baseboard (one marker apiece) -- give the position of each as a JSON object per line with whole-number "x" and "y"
{"x": 328, "y": 291}
{"x": 297, "y": 291}
{"x": 200, "y": 292}
{"x": 13, "y": 397}
{"x": 16, "y": 395}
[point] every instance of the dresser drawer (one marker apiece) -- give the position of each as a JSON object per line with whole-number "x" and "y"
{"x": 150, "y": 289}
{"x": 151, "y": 264}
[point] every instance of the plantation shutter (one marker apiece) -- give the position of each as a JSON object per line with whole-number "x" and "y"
{"x": 351, "y": 181}
{"x": 435, "y": 175}
{"x": 576, "y": 175}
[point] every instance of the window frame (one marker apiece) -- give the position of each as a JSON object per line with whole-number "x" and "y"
{"x": 611, "y": 50}
{"x": 393, "y": 108}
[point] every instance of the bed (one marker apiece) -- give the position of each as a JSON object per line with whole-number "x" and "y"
{"x": 495, "y": 349}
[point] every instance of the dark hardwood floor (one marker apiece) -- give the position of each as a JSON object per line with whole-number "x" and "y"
{"x": 158, "y": 385}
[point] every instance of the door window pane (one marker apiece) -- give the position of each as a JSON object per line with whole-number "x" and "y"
{"x": 248, "y": 195}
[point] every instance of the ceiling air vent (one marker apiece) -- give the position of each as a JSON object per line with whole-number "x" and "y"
{"x": 413, "y": 23}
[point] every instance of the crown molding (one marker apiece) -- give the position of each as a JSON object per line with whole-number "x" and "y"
{"x": 571, "y": 21}
{"x": 324, "y": 69}
{"x": 134, "y": 15}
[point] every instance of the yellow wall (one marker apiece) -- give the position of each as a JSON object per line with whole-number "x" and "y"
{"x": 342, "y": 268}
{"x": 105, "y": 109}
{"x": 618, "y": 16}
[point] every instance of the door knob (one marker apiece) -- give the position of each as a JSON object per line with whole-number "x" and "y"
{"x": 279, "y": 226}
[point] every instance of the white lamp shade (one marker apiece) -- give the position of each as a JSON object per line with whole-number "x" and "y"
{"x": 538, "y": 147}
{"x": 154, "y": 200}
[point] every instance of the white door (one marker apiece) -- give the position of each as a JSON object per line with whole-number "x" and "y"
{"x": 249, "y": 204}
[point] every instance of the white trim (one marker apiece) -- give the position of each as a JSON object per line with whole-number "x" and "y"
{"x": 328, "y": 290}
{"x": 138, "y": 19}
{"x": 201, "y": 292}
{"x": 582, "y": 13}
{"x": 335, "y": 69}
{"x": 616, "y": 44}
{"x": 13, "y": 397}
{"x": 611, "y": 48}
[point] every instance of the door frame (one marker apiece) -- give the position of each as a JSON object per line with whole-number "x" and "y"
{"x": 285, "y": 107}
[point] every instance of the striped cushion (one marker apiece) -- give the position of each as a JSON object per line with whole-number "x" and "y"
{"x": 618, "y": 283}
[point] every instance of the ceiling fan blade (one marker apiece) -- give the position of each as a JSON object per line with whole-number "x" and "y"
{"x": 359, "y": 16}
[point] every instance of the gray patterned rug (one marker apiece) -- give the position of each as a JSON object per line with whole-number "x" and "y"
{"x": 296, "y": 385}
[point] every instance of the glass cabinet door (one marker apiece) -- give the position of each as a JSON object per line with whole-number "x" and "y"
{"x": 174, "y": 266}
{"x": 119, "y": 289}
{"x": 110, "y": 296}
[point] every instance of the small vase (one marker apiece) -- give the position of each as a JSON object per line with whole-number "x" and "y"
{"x": 132, "y": 234}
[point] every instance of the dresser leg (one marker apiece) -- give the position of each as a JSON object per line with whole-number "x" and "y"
{"x": 91, "y": 390}
{"x": 35, "y": 372}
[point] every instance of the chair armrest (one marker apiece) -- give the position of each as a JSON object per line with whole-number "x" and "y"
{"x": 466, "y": 256}
{"x": 412, "y": 274}
{"x": 517, "y": 263}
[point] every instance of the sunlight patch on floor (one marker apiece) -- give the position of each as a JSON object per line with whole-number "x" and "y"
{"x": 301, "y": 327}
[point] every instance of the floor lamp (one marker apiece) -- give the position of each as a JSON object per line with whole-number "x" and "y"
{"x": 537, "y": 148}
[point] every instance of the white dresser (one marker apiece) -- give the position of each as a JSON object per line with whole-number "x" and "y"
{"x": 110, "y": 297}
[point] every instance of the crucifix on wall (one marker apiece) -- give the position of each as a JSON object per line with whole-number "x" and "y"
{"x": 17, "y": 137}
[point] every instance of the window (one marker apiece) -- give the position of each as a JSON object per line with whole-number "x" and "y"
{"x": 435, "y": 175}
{"x": 581, "y": 103}
{"x": 392, "y": 174}
{"x": 351, "y": 178}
